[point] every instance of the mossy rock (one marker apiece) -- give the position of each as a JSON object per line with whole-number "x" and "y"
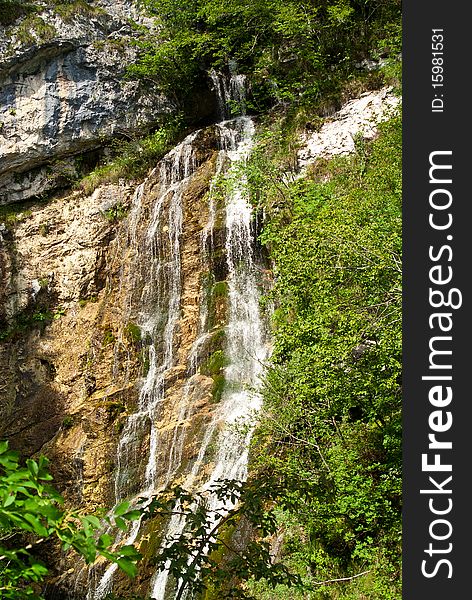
{"x": 218, "y": 387}
{"x": 214, "y": 364}
{"x": 108, "y": 337}
{"x": 11, "y": 11}
{"x": 114, "y": 409}
{"x": 144, "y": 360}
{"x": 151, "y": 537}
{"x": 132, "y": 333}
{"x": 67, "y": 422}
{"x": 213, "y": 367}
{"x": 217, "y": 340}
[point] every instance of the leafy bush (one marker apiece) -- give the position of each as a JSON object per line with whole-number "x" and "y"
{"x": 30, "y": 506}
{"x": 332, "y": 397}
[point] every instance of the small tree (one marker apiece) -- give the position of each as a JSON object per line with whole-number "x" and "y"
{"x": 31, "y": 512}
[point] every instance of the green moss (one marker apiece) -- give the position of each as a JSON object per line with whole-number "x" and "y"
{"x": 15, "y": 212}
{"x": 34, "y": 28}
{"x": 144, "y": 360}
{"x": 214, "y": 364}
{"x": 68, "y": 9}
{"x": 151, "y": 538}
{"x": 220, "y": 556}
{"x": 217, "y": 340}
{"x": 67, "y": 422}
{"x": 44, "y": 229}
{"x": 133, "y": 332}
{"x": 108, "y": 337}
{"x": 220, "y": 289}
{"x": 213, "y": 367}
{"x": 215, "y": 294}
{"x": 114, "y": 409}
{"x": 84, "y": 301}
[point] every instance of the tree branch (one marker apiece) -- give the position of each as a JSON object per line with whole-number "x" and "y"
{"x": 340, "y": 579}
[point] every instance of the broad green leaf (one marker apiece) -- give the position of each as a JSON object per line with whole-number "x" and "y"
{"x": 127, "y": 566}
{"x": 121, "y": 508}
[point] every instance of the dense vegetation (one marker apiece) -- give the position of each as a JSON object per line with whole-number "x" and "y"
{"x": 332, "y": 422}
{"x": 293, "y": 52}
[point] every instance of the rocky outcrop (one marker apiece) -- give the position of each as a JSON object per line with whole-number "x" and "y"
{"x": 73, "y": 357}
{"x": 337, "y": 135}
{"x": 63, "y": 93}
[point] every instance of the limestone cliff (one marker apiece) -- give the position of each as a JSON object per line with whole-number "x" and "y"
{"x": 63, "y": 93}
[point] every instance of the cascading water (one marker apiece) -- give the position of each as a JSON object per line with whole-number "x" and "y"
{"x": 157, "y": 261}
{"x": 160, "y": 302}
{"x": 230, "y": 92}
{"x": 246, "y": 344}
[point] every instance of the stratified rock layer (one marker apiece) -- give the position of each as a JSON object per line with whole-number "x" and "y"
{"x": 63, "y": 93}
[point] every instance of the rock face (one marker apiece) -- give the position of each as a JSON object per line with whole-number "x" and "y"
{"x": 337, "y": 135}
{"x": 74, "y": 359}
{"x": 87, "y": 284}
{"x": 62, "y": 94}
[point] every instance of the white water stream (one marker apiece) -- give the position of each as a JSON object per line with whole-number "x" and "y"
{"x": 246, "y": 345}
{"x": 160, "y": 302}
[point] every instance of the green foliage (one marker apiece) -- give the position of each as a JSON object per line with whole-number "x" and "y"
{"x": 291, "y": 52}
{"x": 133, "y": 332}
{"x": 195, "y": 555}
{"x": 132, "y": 159}
{"x": 332, "y": 397}
{"x": 12, "y": 10}
{"x": 34, "y": 28}
{"x": 31, "y": 512}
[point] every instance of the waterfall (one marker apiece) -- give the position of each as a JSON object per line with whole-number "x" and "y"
{"x": 147, "y": 460}
{"x": 159, "y": 266}
{"x": 246, "y": 345}
{"x": 230, "y": 92}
